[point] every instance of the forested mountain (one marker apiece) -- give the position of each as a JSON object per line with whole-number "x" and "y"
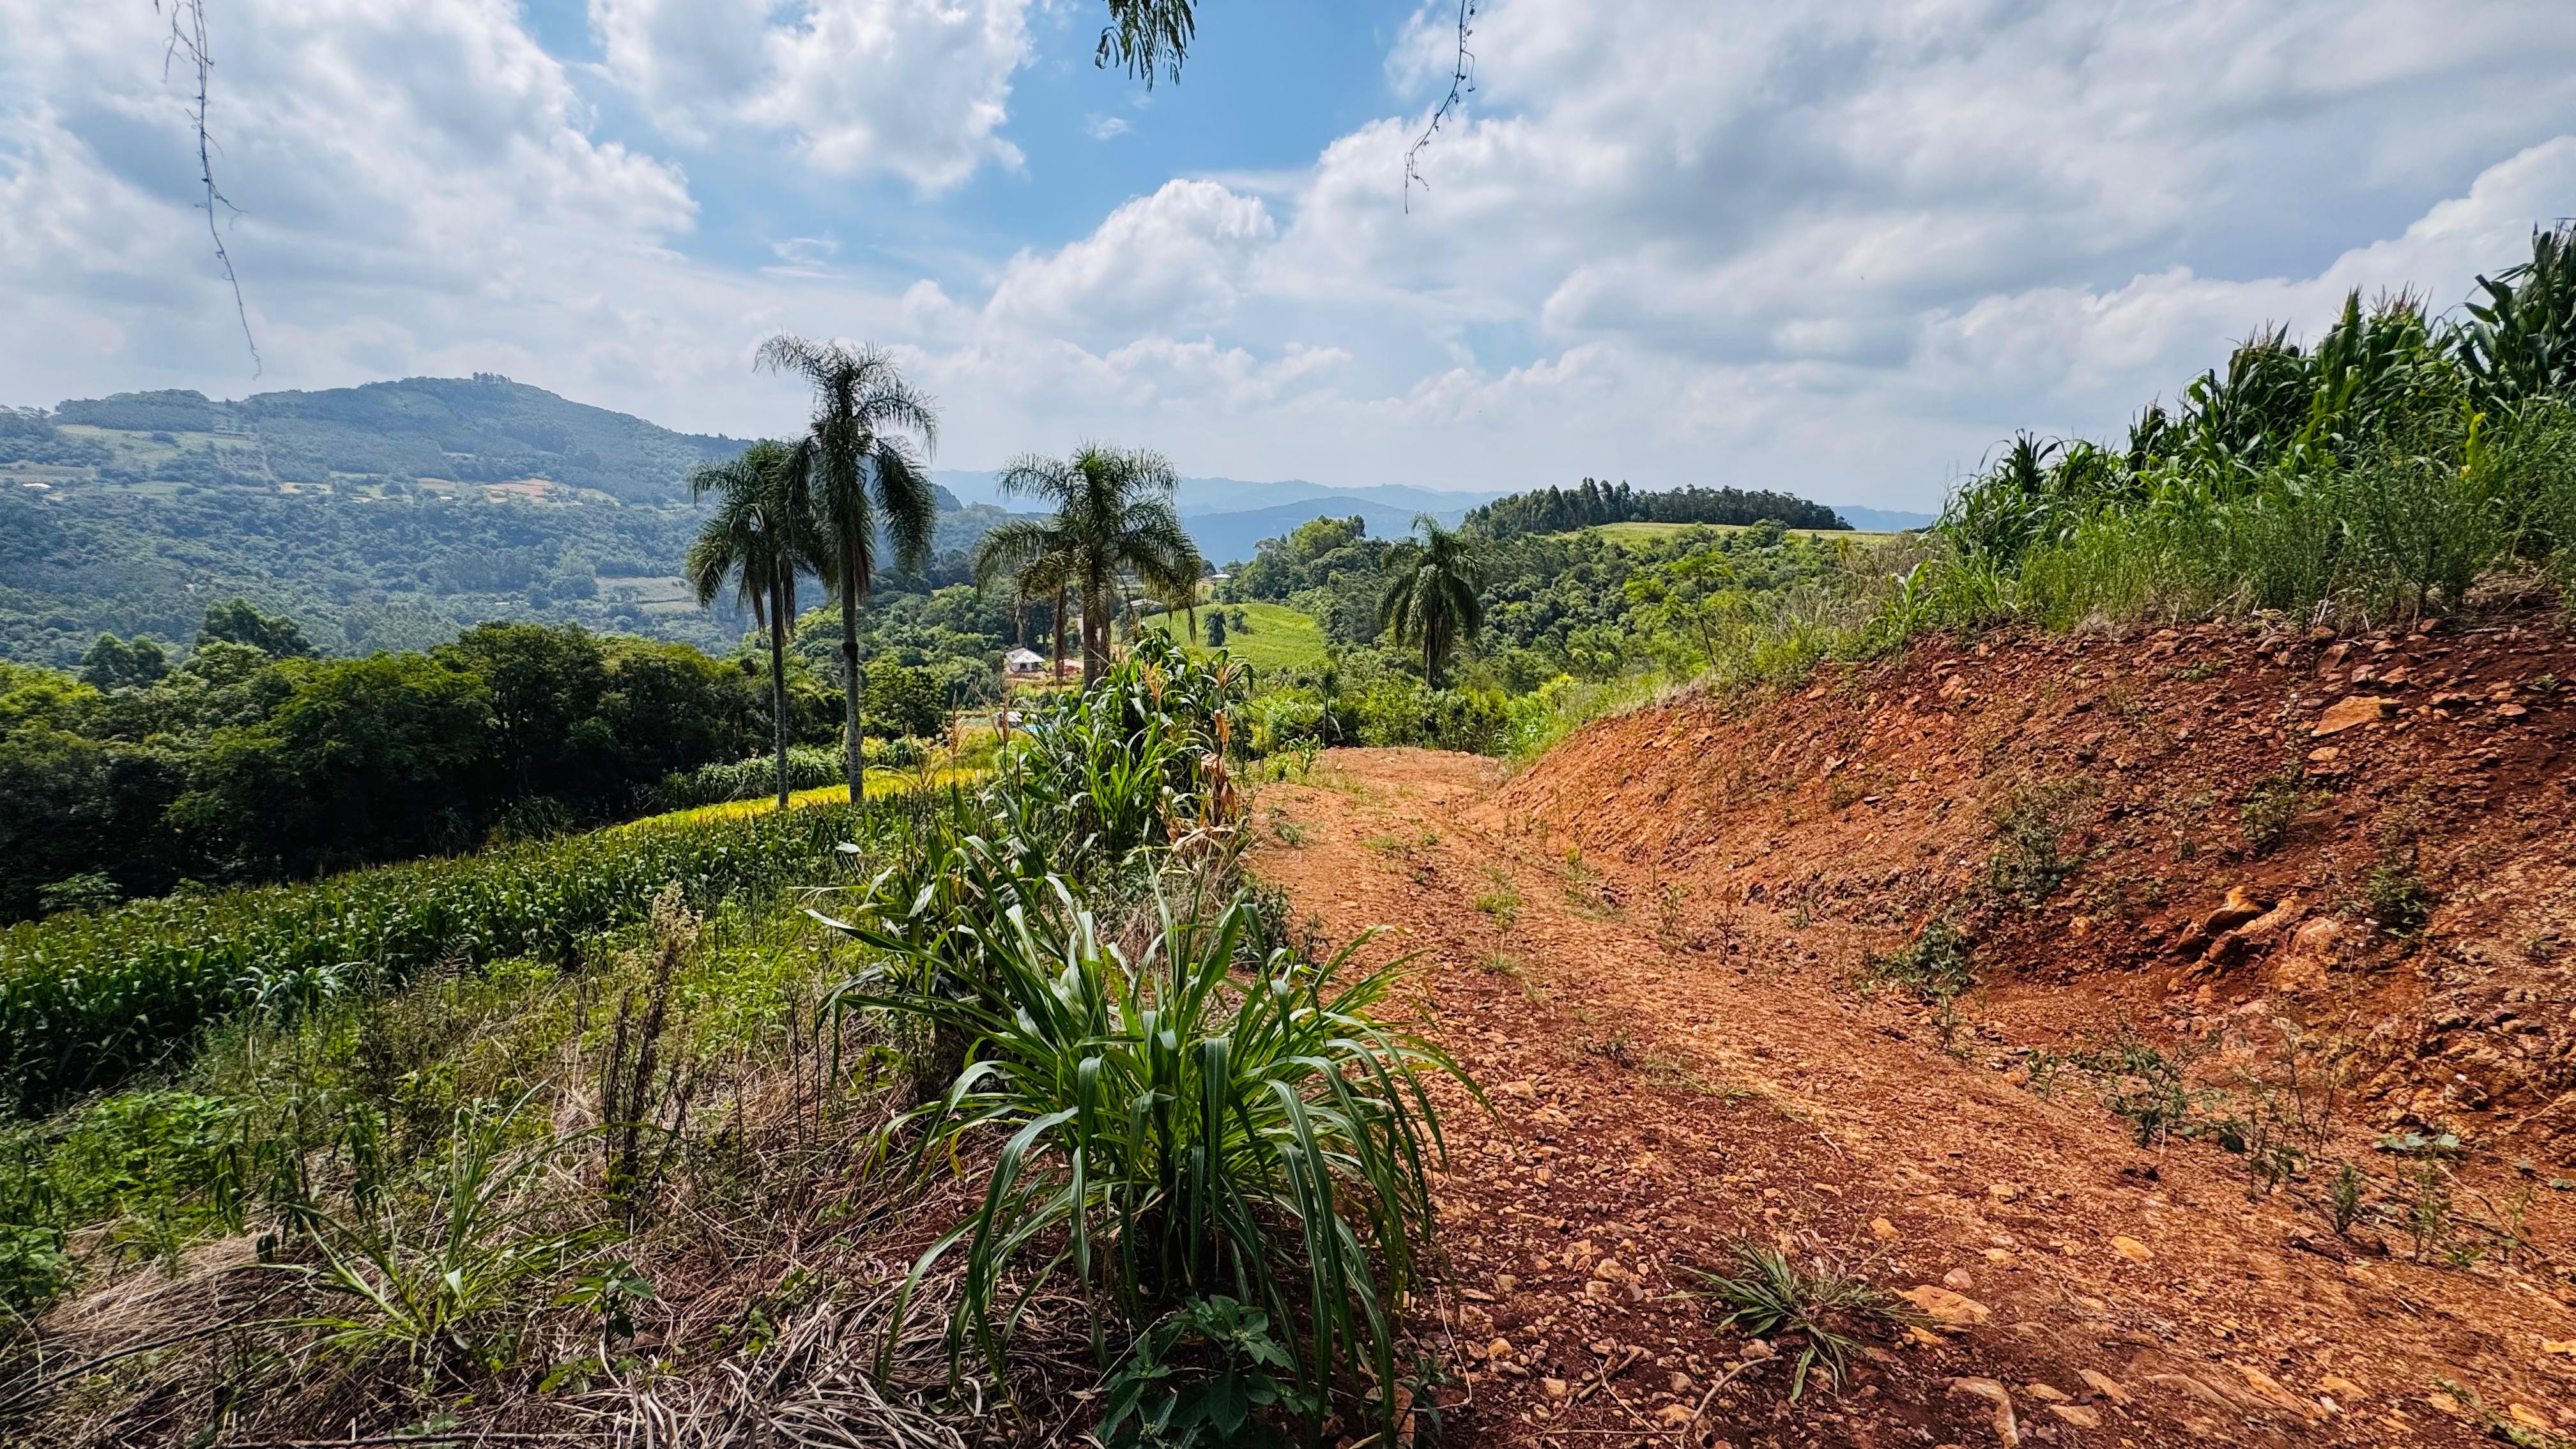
{"x": 482, "y": 429}
{"x": 390, "y": 516}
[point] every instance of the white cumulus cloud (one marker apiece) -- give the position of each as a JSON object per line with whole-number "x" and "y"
{"x": 911, "y": 88}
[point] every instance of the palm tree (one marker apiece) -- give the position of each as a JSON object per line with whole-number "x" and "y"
{"x": 1432, "y": 598}
{"x": 1113, "y": 517}
{"x": 861, "y": 472}
{"x": 762, "y": 531}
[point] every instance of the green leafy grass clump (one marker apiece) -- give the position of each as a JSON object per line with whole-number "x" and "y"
{"x": 1822, "y": 1307}
{"x": 1933, "y": 966}
{"x": 1172, "y": 1129}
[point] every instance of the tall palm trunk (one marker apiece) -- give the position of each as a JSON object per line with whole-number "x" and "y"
{"x": 853, "y": 741}
{"x": 1063, "y": 601}
{"x": 1095, "y": 632}
{"x": 778, "y": 681}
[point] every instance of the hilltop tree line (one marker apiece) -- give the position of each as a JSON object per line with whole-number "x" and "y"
{"x": 1592, "y": 503}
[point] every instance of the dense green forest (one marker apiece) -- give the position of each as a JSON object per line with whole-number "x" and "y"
{"x": 1592, "y": 503}
{"x": 244, "y": 757}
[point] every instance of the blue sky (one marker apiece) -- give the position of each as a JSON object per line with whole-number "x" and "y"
{"x": 1837, "y": 249}
{"x": 1264, "y": 90}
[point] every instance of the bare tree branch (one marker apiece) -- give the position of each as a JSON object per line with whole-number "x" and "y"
{"x": 1462, "y": 83}
{"x": 188, "y": 43}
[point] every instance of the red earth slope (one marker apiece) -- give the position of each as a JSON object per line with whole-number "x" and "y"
{"x": 1651, "y": 947}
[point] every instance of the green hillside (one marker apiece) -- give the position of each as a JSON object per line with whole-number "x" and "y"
{"x": 484, "y": 429}
{"x": 1269, "y": 636}
{"x": 389, "y": 516}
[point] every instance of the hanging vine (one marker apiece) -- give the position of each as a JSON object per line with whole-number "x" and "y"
{"x": 188, "y": 47}
{"x": 1462, "y": 83}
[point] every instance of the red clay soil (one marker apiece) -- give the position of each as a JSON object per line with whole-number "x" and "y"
{"x": 1655, "y": 948}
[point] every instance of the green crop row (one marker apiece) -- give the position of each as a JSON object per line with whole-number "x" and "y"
{"x": 87, "y": 1000}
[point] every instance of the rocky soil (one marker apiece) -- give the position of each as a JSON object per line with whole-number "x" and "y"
{"x": 2238, "y": 911}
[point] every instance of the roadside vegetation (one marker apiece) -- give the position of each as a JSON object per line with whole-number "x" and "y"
{"x": 947, "y": 1111}
{"x": 2400, "y": 464}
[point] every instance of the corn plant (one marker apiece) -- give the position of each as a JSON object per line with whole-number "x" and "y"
{"x": 1138, "y": 759}
{"x": 1166, "y": 1130}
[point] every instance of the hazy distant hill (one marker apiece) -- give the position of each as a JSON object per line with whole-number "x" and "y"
{"x": 1196, "y": 496}
{"x": 1228, "y": 516}
{"x": 385, "y": 516}
{"x": 482, "y": 429}
{"x": 1884, "y": 520}
{"x": 1232, "y": 537}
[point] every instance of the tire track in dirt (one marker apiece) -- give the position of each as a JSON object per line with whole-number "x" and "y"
{"x": 1663, "y": 1090}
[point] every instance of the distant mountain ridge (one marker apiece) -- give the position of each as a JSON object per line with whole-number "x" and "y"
{"x": 1199, "y": 496}
{"x": 1885, "y": 520}
{"x": 1229, "y": 516}
{"x": 479, "y": 429}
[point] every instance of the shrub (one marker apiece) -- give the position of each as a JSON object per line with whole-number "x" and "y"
{"x": 2031, "y": 823}
{"x": 809, "y": 767}
{"x": 2271, "y": 808}
{"x": 1933, "y": 966}
{"x": 1138, "y": 759}
{"x": 1184, "y": 1132}
{"x": 1283, "y": 722}
{"x": 2399, "y": 900}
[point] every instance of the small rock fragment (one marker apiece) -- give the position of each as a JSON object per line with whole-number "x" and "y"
{"x": 1947, "y": 1308}
{"x": 2357, "y": 710}
{"x": 2077, "y": 1415}
{"x": 2103, "y": 1384}
{"x": 2131, "y": 1249}
{"x": 2006, "y": 1428}
{"x": 1885, "y": 1232}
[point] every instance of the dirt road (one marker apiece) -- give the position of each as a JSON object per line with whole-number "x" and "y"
{"x": 1671, "y": 1077}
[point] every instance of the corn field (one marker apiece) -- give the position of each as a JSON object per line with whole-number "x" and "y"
{"x": 87, "y": 1000}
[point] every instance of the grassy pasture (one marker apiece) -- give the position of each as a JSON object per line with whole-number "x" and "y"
{"x": 1279, "y": 638}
